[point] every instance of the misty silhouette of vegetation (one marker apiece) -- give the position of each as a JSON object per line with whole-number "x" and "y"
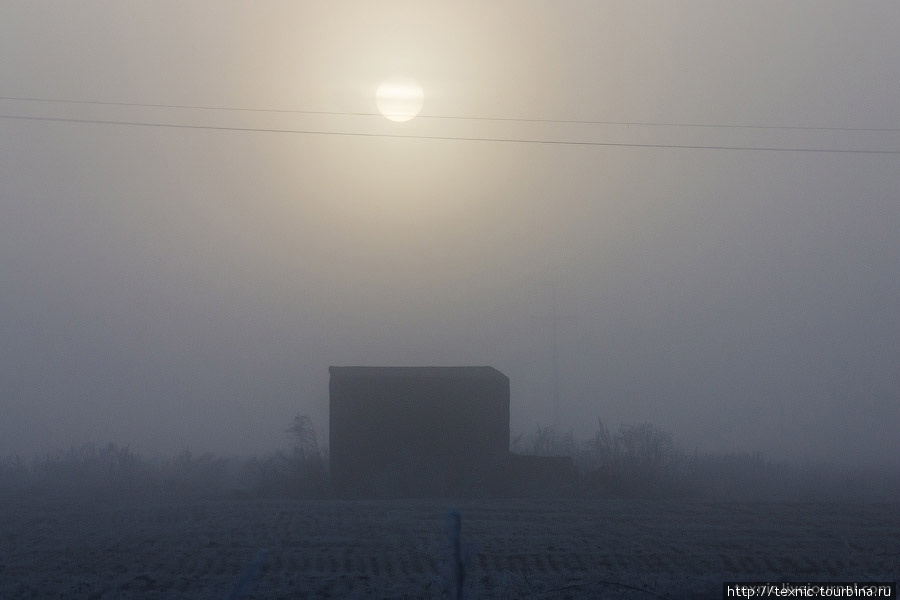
{"x": 114, "y": 472}
{"x": 644, "y": 461}
{"x": 109, "y": 471}
{"x": 639, "y": 461}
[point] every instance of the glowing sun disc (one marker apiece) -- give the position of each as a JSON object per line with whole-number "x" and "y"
{"x": 399, "y": 98}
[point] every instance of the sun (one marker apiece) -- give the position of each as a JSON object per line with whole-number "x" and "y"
{"x": 399, "y": 98}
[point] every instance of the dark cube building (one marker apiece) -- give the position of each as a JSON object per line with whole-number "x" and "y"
{"x": 416, "y": 431}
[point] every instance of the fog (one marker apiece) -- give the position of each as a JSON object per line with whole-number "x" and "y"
{"x": 175, "y": 287}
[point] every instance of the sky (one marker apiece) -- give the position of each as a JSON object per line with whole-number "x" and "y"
{"x": 188, "y": 287}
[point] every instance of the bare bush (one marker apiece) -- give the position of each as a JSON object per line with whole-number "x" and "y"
{"x": 645, "y": 447}
{"x": 304, "y": 441}
{"x": 599, "y": 449}
{"x": 204, "y": 475}
{"x": 545, "y": 441}
{"x": 109, "y": 471}
{"x": 643, "y": 460}
{"x": 115, "y": 472}
{"x": 308, "y": 465}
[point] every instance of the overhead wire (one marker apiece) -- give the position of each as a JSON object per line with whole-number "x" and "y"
{"x": 449, "y": 117}
{"x": 516, "y": 140}
{"x": 448, "y": 137}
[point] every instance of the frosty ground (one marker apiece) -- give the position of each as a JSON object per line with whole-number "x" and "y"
{"x": 598, "y": 548}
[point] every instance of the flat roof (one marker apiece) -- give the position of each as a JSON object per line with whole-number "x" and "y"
{"x": 489, "y": 373}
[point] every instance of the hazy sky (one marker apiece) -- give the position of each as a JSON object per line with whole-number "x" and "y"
{"x": 173, "y": 287}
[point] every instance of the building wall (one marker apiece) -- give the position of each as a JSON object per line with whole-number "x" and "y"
{"x": 415, "y": 431}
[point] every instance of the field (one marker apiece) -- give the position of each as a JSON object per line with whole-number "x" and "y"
{"x": 546, "y": 549}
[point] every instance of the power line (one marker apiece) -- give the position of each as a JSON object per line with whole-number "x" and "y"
{"x": 187, "y": 106}
{"x": 454, "y": 118}
{"x": 510, "y": 140}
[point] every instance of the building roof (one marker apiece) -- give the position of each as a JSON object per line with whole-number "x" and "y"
{"x": 480, "y": 373}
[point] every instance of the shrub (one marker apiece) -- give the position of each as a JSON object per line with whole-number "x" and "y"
{"x": 114, "y": 472}
{"x": 90, "y": 471}
{"x": 308, "y": 464}
{"x": 643, "y": 460}
{"x": 545, "y": 441}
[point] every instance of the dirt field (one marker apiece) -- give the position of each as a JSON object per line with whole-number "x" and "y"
{"x": 399, "y": 549}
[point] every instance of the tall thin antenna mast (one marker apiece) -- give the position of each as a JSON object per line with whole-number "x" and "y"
{"x": 554, "y": 318}
{"x": 554, "y": 337}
